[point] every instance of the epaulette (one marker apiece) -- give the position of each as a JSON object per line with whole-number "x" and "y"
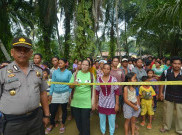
{"x": 1, "y": 67}
{"x": 38, "y": 66}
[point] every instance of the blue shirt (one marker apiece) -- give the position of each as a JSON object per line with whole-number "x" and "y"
{"x": 59, "y": 76}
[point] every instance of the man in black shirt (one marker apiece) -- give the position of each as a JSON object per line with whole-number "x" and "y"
{"x": 172, "y": 95}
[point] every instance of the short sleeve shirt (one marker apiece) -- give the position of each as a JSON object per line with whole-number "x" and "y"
{"x": 27, "y": 89}
{"x": 82, "y": 94}
{"x": 146, "y": 93}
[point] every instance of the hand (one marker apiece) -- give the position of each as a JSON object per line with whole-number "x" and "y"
{"x": 46, "y": 121}
{"x": 152, "y": 104}
{"x": 75, "y": 82}
{"x": 93, "y": 107}
{"x": 50, "y": 98}
{"x": 116, "y": 108}
{"x": 135, "y": 108}
{"x": 161, "y": 96}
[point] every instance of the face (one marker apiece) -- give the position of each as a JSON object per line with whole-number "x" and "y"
{"x": 125, "y": 63}
{"x": 106, "y": 69}
{"x": 55, "y": 62}
{"x": 85, "y": 66}
{"x": 62, "y": 64}
{"x": 157, "y": 64}
{"x": 97, "y": 65}
{"x": 139, "y": 63}
{"x": 76, "y": 61}
{"x": 176, "y": 65}
{"x": 45, "y": 75}
{"x": 37, "y": 59}
{"x": 115, "y": 62}
{"x": 21, "y": 54}
{"x": 150, "y": 74}
{"x": 168, "y": 62}
{"x": 134, "y": 78}
{"x": 130, "y": 62}
{"x": 79, "y": 65}
{"x": 101, "y": 65}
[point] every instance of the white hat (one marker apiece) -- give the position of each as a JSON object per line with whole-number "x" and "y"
{"x": 124, "y": 59}
{"x": 103, "y": 61}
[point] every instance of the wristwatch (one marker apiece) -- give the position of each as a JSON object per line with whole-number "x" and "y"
{"x": 45, "y": 116}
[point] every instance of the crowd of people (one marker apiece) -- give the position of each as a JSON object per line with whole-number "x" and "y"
{"x": 133, "y": 101}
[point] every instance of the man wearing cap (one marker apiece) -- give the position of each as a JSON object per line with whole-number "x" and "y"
{"x": 124, "y": 66}
{"x": 22, "y": 88}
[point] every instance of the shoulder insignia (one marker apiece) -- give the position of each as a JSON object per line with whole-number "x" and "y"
{"x": 2, "y": 66}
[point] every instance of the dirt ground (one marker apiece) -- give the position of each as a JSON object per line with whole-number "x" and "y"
{"x": 95, "y": 128}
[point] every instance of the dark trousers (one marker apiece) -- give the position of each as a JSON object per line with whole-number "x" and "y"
{"x": 54, "y": 109}
{"x": 82, "y": 118}
{"x": 32, "y": 126}
{"x": 155, "y": 102}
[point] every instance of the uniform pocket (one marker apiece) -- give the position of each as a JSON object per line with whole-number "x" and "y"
{"x": 12, "y": 86}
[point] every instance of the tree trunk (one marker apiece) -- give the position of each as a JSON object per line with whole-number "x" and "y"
{"x": 7, "y": 56}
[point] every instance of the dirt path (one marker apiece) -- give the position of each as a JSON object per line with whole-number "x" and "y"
{"x": 95, "y": 128}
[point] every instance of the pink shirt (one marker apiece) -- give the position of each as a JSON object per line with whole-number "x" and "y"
{"x": 119, "y": 75}
{"x": 107, "y": 95}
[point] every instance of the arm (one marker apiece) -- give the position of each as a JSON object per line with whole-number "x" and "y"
{"x": 117, "y": 104}
{"x": 126, "y": 98}
{"x": 45, "y": 106}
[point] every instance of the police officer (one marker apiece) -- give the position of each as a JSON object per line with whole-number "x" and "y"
{"x": 22, "y": 89}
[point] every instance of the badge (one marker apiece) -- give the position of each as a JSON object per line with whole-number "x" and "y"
{"x": 12, "y": 92}
{"x": 15, "y": 67}
{"x": 10, "y": 71}
{"x": 38, "y": 73}
{"x": 11, "y": 75}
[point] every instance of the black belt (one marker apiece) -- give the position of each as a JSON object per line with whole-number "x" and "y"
{"x": 10, "y": 117}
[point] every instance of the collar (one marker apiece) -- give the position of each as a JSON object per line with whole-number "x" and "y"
{"x": 180, "y": 73}
{"x": 17, "y": 69}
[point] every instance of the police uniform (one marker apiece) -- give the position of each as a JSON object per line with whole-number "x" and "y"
{"x": 20, "y": 98}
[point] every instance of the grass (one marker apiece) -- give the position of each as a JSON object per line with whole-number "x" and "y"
{"x": 95, "y": 128}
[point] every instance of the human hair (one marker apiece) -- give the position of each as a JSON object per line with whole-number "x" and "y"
{"x": 107, "y": 65}
{"x": 47, "y": 70}
{"x": 144, "y": 78}
{"x": 55, "y": 57}
{"x": 87, "y": 61}
{"x": 175, "y": 58}
{"x": 167, "y": 59}
{"x": 115, "y": 57}
{"x": 136, "y": 60}
{"x": 63, "y": 59}
{"x": 129, "y": 76}
{"x": 40, "y": 55}
{"x": 150, "y": 70}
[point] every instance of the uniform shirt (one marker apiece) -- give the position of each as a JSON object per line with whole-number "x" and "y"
{"x": 140, "y": 73}
{"x": 27, "y": 88}
{"x": 173, "y": 92}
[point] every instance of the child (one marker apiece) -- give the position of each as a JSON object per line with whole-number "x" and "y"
{"x": 146, "y": 94}
{"x": 151, "y": 78}
{"x": 131, "y": 107}
{"x": 108, "y": 98}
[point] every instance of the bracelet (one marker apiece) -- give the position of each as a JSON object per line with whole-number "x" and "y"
{"x": 47, "y": 116}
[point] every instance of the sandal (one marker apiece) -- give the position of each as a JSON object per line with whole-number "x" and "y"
{"x": 163, "y": 130}
{"x": 48, "y": 130}
{"x": 149, "y": 126}
{"x": 61, "y": 130}
{"x": 142, "y": 124}
{"x": 136, "y": 127}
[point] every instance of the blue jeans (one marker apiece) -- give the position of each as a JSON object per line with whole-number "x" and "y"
{"x": 111, "y": 119}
